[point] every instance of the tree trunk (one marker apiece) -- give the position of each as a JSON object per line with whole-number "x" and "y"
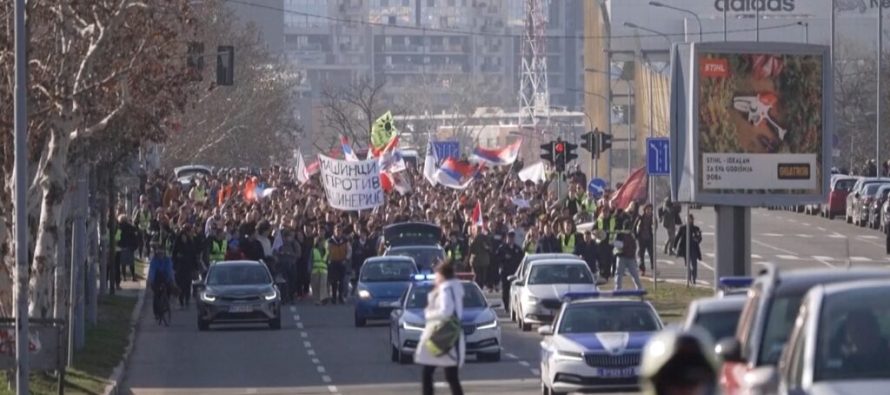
{"x": 52, "y": 183}
{"x": 7, "y": 249}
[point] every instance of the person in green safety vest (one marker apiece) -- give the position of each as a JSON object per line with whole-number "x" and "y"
{"x": 217, "y": 244}
{"x": 607, "y": 225}
{"x": 319, "y": 276}
{"x": 456, "y": 251}
{"x": 198, "y": 194}
{"x": 569, "y": 240}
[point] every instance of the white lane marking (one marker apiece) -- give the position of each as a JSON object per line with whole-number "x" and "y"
{"x": 822, "y": 258}
{"x": 772, "y": 234}
{"x": 536, "y": 372}
{"x": 523, "y": 363}
{"x": 332, "y": 388}
{"x": 293, "y": 309}
{"x": 316, "y": 361}
{"x": 755, "y": 256}
{"x": 252, "y": 390}
{"x": 804, "y": 236}
{"x": 788, "y": 257}
{"x": 763, "y": 263}
{"x": 304, "y": 335}
{"x": 511, "y": 356}
{"x": 860, "y": 259}
{"x": 310, "y": 352}
{"x": 320, "y": 369}
{"x": 872, "y": 237}
{"x": 326, "y": 379}
{"x": 707, "y": 233}
{"x": 770, "y": 246}
{"x": 710, "y": 254}
{"x": 705, "y": 264}
{"x": 299, "y": 325}
{"x": 821, "y": 229}
{"x": 307, "y": 344}
{"x": 667, "y": 262}
{"x": 711, "y": 227}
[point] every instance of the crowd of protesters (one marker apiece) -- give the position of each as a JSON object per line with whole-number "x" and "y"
{"x": 309, "y": 245}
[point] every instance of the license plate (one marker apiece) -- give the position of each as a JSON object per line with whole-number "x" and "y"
{"x": 617, "y": 373}
{"x": 241, "y": 309}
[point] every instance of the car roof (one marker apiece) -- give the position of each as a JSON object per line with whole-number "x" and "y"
{"x": 853, "y": 286}
{"x": 715, "y": 304}
{"x": 415, "y": 247}
{"x": 561, "y": 261}
{"x": 389, "y": 258}
{"x": 239, "y": 262}
{"x": 538, "y": 257}
{"x": 608, "y": 300}
{"x": 801, "y": 280}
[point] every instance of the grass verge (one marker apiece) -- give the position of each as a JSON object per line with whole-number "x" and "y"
{"x": 105, "y": 344}
{"x": 670, "y": 299}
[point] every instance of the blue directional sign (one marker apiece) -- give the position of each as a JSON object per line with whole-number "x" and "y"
{"x": 446, "y": 149}
{"x": 658, "y": 156}
{"x": 596, "y": 187}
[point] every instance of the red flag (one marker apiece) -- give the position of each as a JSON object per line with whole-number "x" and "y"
{"x": 250, "y": 189}
{"x": 633, "y": 190}
{"x": 477, "y": 215}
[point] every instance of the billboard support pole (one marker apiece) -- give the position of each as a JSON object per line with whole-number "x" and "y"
{"x": 878, "y": 101}
{"x": 733, "y": 242}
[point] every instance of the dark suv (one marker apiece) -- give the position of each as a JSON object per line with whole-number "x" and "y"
{"x": 768, "y": 318}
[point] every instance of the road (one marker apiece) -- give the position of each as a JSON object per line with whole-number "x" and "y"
{"x": 318, "y": 351}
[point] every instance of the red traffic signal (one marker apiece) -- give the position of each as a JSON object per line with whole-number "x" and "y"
{"x": 559, "y": 147}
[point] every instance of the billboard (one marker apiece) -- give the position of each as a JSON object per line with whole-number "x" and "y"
{"x": 758, "y": 123}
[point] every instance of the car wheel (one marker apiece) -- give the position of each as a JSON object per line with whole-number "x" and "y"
{"x": 523, "y": 326}
{"x": 545, "y": 390}
{"x": 360, "y": 322}
{"x": 203, "y": 325}
{"x": 275, "y": 323}
{"x": 490, "y": 357}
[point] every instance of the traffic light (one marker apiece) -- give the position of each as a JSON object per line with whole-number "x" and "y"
{"x": 590, "y": 143}
{"x": 559, "y": 156}
{"x": 604, "y": 142}
{"x": 570, "y": 152}
{"x": 548, "y": 152}
{"x": 225, "y": 65}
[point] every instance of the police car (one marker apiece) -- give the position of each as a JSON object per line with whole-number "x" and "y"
{"x": 381, "y": 283}
{"x": 479, "y": 320}
{"x": 596, "y": 342}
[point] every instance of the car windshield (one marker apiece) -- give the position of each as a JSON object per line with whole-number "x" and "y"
{"x": 380, "y": 271}
{"x": 608, "y": 317}
{"x": 779, "y": 322}
{"x": 417, "y": 298}
{"x": 559, "y": 274}
{"x": 871, "y": 189}
{"x": 845, "y": 185}
{"x": 719, "y": 324}
{"x": 238, "y": 275}
{"x": 853, "y": 340}
{"x": 423, "y": 257}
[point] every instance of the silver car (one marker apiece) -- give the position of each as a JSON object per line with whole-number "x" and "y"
{"x": 238, "y": 291}
{"x": 718, "y": 316}
{"x": 516, "y": 278}
{"x": 839, "y": 344}
{"x": 540, "y": 294}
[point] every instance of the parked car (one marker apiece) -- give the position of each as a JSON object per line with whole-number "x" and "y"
{"x": 853, "y": 196}
{"x": 185, "y": 174}
{"x": 862, "y": 200}
{"x": 874, "y": 209}
{"x": 837, "y": 195}
{"x": 885, "y": 216}
{"x": 767, "y": 320}
{"x": 840, "y": 342}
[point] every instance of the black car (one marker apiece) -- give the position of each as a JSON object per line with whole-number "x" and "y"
{"x": 238, "y": 291}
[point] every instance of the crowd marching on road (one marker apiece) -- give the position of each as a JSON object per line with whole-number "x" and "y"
{"x": 310, "y": 245}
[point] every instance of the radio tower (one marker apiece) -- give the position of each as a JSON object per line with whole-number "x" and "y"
{"x": 534, "y": 95}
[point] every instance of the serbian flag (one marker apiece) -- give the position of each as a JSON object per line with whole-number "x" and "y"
{"x": 305, "y": 172}
{"x": 394, "y": 181}
{"x": 633, "y": 190}
{"x": 347, "y": 150}
{"x": 390, "y": 158}
{"x": 456, "y": 174}
{"x": 477, "y": 215}
{"x": 497, "y": 156}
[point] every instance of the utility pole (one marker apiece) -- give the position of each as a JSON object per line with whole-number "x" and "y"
{"x": 878, "y": 105}
{"x": 22, "y": 360}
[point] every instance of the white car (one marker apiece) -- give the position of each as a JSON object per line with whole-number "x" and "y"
{"x": 522, "y": 271}
{"x": 718, "y": 316}
{"x": 539, "y": 295}
{"x": 596, "y": 343}
{"x": 839, "y": 343}
{"x": 480, "y": 322}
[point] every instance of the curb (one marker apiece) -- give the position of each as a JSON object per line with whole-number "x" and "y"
{"x": 119, "y": 372}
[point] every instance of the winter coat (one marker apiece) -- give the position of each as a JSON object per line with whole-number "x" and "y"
{"x": 443, "y": 302}
{"x": 695, "y": 247}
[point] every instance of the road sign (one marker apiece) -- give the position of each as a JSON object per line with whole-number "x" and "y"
{"x": 596, "y": 187}
{"x": 446, "y": 149}
{"x": 658, "y": 156}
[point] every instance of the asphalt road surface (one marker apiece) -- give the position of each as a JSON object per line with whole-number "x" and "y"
{"x": 318, "y": 351}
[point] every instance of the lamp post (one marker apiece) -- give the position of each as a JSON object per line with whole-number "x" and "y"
{"x": 880, "y": 51}
{"x": 690, "y": 12}
{"x": 645, "y": 29}
{"x": 20, "y": 225}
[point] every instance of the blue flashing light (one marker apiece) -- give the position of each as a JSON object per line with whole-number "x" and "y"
{"x": 424, "y": 277}
{"x": 569, "y": 296}
{"x": 735, "y": 282}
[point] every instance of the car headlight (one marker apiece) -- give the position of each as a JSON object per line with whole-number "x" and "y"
{"x": 488, "y": 325}
{"x": 271, "y": 296}
{"x": 208, "y": 297}
{"x": 531, "y": 299}
{"x": 364, "y": 294}
{"x": 569, "y": 356}
{"x": 411, "y": 326}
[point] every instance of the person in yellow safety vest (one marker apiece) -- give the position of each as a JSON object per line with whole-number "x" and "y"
{"x": 569, "y": 241}
{"x": 530, "y": 245}
{"x": 198, "y": 193}
{"x": 217, "y": 245}
{"x": 607, "y": 223}
{"x": 319, "y": 277}
{"x": 456, "y": 251}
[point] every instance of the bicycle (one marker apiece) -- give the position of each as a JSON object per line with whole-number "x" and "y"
{"x": 162, "y": 310}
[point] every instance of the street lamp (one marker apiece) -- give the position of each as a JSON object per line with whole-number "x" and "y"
{"x": 646, "y": 29}
{"x": 690, "y": 12}
{"x": 630, "y": 89}
{"x": 806, "y": 30}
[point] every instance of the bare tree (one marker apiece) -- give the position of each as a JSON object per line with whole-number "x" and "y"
{"x": 350, "y": 110}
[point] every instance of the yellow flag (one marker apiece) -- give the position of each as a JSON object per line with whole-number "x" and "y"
{"x": 382, "y": 131}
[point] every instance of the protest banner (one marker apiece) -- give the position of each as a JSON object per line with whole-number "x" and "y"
{"x": 351, "y": 185}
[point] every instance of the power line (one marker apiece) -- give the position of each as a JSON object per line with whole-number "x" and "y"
{"x": 481, "y": 33}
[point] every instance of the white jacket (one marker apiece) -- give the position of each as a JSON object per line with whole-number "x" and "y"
{"x": 442, "y": 302}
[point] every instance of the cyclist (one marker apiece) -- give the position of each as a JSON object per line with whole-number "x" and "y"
{"x": 160, "y": 277}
